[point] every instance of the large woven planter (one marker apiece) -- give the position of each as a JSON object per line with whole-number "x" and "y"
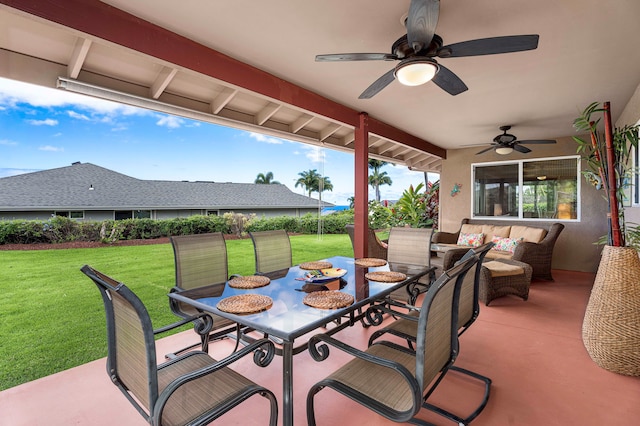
{"x": 611, "y": 327}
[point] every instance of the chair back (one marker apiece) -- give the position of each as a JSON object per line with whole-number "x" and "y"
{"x": 131, "y": 360}
{"x": 374, "y": 245}
{"x": 272, "y": 250}
{"x": 469, "y": 307}
{"x": 437, "y": 340}
{"x": 200, "y": 260}
{"x": 410, "y": 246}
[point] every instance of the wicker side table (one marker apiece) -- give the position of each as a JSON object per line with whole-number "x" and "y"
{"x": 502, "y": 277}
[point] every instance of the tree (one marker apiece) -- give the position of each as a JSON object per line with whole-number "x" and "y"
{"x": 265, "y": 179}
{"x": 308, "y": 180}
{"x": 378, "y": 178}
{"x": 312, "y": 181}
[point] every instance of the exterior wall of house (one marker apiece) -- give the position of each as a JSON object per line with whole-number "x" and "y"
{"x": 574, "y": 249}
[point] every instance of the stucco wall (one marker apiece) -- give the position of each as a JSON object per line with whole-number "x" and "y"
{"x": 630, "y": 116}
{"x": 574, "y": 249}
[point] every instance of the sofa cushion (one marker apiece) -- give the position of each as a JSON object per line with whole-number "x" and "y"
{"x": 491, "y": 231}
{"x": 505, "y": 243}
{"x": 528, "y": 233}
{"x": 488, "y": 230}
{"x": 469, "y": 228}
{"x": 471, "y": 240}
{"x": 500, "y": 269}
{"x": 495, "y": 254}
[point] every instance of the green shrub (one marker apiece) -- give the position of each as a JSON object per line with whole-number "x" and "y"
{"x": 61, "y": 229}
{"x": 379, "y": 215}
{"x": 288, "y": 223}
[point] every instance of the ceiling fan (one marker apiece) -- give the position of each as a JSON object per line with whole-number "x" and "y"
{"x": 417, "y": 49}
{"x": 506, "y": 143}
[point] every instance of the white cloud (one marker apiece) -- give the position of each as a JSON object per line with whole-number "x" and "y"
{"x": 315, "y": 153}
{"x": 266, "y": 139}
{"x": 7, "y": 142}
{"x": 170, "y": 121}
{"x": 50, "y": 148}
{"x": 77, "y": 115}
{"x": 45, "y": 122}
{"x": 15, "y": 172}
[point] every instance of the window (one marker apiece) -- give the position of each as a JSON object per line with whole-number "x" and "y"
{"x": 132, "y": 214}
{"x": 142, "y": 214}
{"x": 71, "y": 214}
{"x": 536, "y": 189}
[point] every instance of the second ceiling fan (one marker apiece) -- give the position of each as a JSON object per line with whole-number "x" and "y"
{"x": 506, "y": 143}
{"x": 417, "y": 49}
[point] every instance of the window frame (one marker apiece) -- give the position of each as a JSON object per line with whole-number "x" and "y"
{"x": 520, "y": 216}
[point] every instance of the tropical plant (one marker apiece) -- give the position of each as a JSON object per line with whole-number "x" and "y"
{"x": 308, "y": 180}
{"x": 379, "y": 215}
{"x": 378, "y": 177}
{"x": 607, "y": 156}
{"x": 410, "y": 207}
{"x": 312, "y": 181}
{"x": 265, "y": 178}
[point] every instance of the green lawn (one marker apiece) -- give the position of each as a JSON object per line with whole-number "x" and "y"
{"x": 51, "y": 315}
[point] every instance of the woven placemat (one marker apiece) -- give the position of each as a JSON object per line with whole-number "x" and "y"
{"x": 316, "y": 265}
{"x": 370, "y": 262}
{"x": 385, "y": 276}
{"x": 328, "y": 299}
{"x": 250, "y": 281}
{"x": 245, "y": 304}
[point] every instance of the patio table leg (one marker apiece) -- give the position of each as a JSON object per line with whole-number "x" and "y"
{"x": 287, "y": 383}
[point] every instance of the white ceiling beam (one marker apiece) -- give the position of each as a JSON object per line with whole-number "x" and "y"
{"x": 78, "y": 57}
{"x": 300, "y": 122}
{"x": 266, "y": 113}
{"x": 224, "y": 97}
{"x": 348, "y": 138}
{"x": 329, "y": 130}
{"x": 163, "y": 79}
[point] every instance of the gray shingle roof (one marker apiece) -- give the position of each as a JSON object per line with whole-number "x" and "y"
{"x": 68, "y": 188}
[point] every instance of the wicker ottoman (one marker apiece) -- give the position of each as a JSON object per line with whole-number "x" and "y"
{"x": 502, "y": 277}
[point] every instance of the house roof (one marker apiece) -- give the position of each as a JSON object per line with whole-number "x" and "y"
{"x": 70, "y": 188}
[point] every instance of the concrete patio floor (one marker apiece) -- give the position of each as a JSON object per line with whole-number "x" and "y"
{"x": 541, "y": 372}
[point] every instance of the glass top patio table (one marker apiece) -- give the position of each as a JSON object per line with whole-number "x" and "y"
{"x": 289, "y": 317}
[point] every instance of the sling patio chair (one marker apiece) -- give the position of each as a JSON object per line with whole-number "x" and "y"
{"x": 375, "y": 247}
{"x": 272, "y": 251}
{"x": 193, "y": 388}
{"x": 200, "y": 261}
{"x": 393, "y": 380}
{"x": 406, "y": 327}
{"x": 411, "y": 246}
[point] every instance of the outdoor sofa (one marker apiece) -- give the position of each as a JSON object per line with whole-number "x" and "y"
{"x": 528, "y": 244}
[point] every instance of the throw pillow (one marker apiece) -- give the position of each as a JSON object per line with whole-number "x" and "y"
{"x": 471, "y": 240}
{"x": 505, "y": 244}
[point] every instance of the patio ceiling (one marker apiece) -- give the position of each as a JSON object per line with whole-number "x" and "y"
{"x": 252, "y": 65}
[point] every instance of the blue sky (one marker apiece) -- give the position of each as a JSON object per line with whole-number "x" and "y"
{"x": 42, "y": 128}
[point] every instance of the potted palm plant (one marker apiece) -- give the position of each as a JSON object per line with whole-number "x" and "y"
{"x": 610, "y": 328}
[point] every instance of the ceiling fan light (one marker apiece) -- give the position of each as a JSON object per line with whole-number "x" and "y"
{"x": 504, "y": 150}
{"x": 415, "y": 71}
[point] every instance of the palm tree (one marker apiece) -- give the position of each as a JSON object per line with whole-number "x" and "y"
{"x": 324, "y": 184}
{"x": 308, "y": 180}
{"x": 378, "y": 178}
{"x": 265, "y": 178}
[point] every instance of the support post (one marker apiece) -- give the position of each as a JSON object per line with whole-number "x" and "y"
{"x": 361, "y": 170}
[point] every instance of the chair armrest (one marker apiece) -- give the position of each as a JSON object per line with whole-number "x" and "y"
{"x": 321, "y": 352}
{"x": 180, "y": 323}
{"x": 264, "y": 351}
{"x": 445, "y": 237}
